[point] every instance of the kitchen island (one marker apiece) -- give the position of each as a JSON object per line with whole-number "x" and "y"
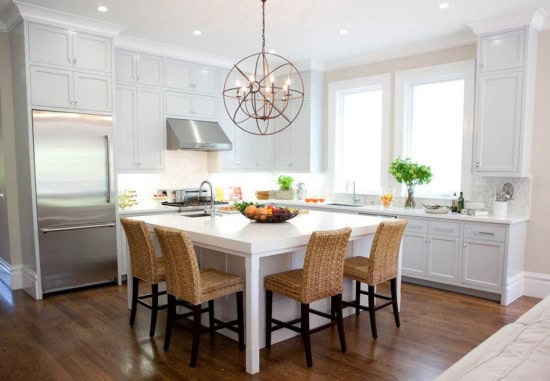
{"x": 233, "y": 243}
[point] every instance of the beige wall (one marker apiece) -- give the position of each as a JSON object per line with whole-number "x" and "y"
{"x": 538, "y": 232}
{"x": 8, "y": 140}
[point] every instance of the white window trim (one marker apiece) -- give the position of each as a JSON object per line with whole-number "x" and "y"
{"x": 403, "y": 84}
{"x": 334, "y": 137}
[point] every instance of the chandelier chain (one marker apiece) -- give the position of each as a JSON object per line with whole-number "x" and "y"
{"x": 263, "y": 25}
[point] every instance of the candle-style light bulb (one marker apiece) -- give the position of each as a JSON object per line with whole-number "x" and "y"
{"x": 271, "y": 78}
{"x": 237, "y": 83}
{"x": 252, "y": 78}
{"x": 288, "y": 82}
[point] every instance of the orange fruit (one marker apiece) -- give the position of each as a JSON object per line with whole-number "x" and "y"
{"x": 250, "y": 210}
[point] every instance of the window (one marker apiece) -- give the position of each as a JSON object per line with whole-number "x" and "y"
{"x": 434, "y": 118}
{"x": 359, "y": 133}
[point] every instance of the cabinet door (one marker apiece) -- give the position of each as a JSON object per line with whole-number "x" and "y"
{"x": 414, "y": 255}
{"x": 264, "y": 152}
{"x": 125, "y": 66}
{"x": 205, "y": 108}
{"x": 43, "y": 80}
{"x": 92, "y": 92}
{"x": 442, "y": 258}
{"x": 179, "y": 75}
{"x": 205, "y": 80}
{"x": 292, "y": 145}
{"x": 50, "y": 45}
{"x": 498, "y": 127}
{"x": 179, "y": 104}
{"x": 150, "y": 70}
{"x": 151, "y": 131}
{"x": 126, "y": 128}
{"x": 502, "y": 51}
{"x": 482, "y": 263}
{"x": 91, "y": 52}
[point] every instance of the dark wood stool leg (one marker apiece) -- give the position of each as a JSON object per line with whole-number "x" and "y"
{"x": 211, "y": 316}
{"x": 240, "y": 319}
{"x": 268, "y": 315}
{"x": 340, "y": 316}
{"x": 154, "y": 308}
{"x": 305, "y": 333}
{"x": 357, "y": 297}
{"x": 135, "y": 291}
{"x": 196, "y": 335}
{"x": 169, "y": 320}
{"x": 372, "y": 308}
{"x": 393, "y": 286}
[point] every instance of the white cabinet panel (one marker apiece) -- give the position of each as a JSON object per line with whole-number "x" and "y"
{"x": 92, "y": 92}
{"x": 205, "y": 79}
{"x": 125, "y": 66}
{"x": 125, "y": 128}
{"x": 292, "y": 148}
{"x": 178, "y": 75}
{"x": 50, "y": 45}
{"x": 191, "y": 106}
{"x": 499, "y": 122}
{"x": 186, "y": 76}
{"x": 43, "y": 80}
{"x": 179, "y": 104}
{"x": 91, "y": 52}
{"x": 264, "y": 151}
{"x": 149, "y": 70}
{"x": 482, "y": 263}
{"x": 443, "y": 257}
{"x": 414, "y": 255}
{"x": 205, "y": 108}
{"x": 502, "y": 51}
{"x": 151, "y": 131}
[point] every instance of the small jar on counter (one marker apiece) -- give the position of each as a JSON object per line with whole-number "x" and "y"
{"x": 300, "y": 191}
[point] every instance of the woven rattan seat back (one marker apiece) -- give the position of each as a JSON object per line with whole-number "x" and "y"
{"x": 323, "y": 270}
{"x": 142, "y": 251}
{"x": 384, "y": 254}
{"x": 183, "y": 279}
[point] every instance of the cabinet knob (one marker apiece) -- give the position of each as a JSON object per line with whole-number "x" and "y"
{"x": 477, "y": 164}
{"x": 74, "y": 61}
{"x": 76, "y": 101}
{"x": 464, "y": 244}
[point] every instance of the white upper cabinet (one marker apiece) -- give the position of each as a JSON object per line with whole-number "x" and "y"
{"x": 505, "y": 102}
{"x": 139, "y": 68}
{"x": 61, "y": 47}
{"x": 189, "y": 77}
{"x": 502, "y": 51}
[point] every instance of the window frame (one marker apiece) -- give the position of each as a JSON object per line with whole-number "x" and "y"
{"x": 336, "y": 90}
{"x": 404, "y": 81}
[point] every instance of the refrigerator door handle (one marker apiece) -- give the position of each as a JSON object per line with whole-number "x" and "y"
{"x": 109, "y": 169}
{"x": 65, "y": 228}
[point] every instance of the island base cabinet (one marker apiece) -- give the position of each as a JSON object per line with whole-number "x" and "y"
{"x": 482, "y": 263}
{"x": 442, "y": 258}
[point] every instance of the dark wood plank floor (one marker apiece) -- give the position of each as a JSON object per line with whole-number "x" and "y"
{"x": 85, "y": 335}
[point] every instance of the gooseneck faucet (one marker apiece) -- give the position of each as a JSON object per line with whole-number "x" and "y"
{"x": 354, "y": 198}
{"x": 212, "y": 213}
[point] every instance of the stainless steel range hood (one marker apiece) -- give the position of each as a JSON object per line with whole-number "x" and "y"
{"x": 185, "y": 134}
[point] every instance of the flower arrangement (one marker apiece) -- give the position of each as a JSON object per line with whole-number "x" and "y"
{"x": 410, "y": 174}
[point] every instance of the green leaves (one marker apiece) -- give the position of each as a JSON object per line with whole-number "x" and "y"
{"x": 285, "y": 182}
{"x": 409, "y": 173}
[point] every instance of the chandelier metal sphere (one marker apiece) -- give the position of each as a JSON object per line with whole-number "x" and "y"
{"x": 264, "y": 92}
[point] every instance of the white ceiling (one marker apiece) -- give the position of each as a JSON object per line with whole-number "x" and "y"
{"x": 296, "y": 29}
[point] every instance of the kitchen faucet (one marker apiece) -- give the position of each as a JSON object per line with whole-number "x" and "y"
{"x": 354, "y": 198}
{"x": 212, "y": 213}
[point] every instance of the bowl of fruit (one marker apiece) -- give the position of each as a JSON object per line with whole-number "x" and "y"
{"x": 266, "y": 213}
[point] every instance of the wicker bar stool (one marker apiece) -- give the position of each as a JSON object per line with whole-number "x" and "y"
{"x": 147, "y": 267}
{"x": 321, "y": 277}
{"x": 380, "y": 267}
{"x": 184, "y": 281}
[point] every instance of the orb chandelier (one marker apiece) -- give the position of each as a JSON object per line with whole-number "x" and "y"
{"x": 264, "y": 92}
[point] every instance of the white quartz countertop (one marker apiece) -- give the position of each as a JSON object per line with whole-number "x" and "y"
{"x": 147, "y": 208}
{"x": 400, "y": 212}
{"x": 234, "y": 232}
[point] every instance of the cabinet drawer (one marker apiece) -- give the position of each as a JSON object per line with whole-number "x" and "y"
{"x": 486, "y": 232}
{"x": 444, "y": 228}
{"x": 416, "y": 226}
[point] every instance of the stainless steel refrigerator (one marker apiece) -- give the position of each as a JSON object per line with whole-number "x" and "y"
{"x": 75, "y": 199}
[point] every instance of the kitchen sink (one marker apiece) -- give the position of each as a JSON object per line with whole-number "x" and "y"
{"x": 342, "y": 204}
{"x": 193, "y": 215}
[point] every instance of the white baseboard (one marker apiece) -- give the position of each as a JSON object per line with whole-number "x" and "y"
{"x": 13, "y": 274}
{"x": 515, "y": 287}
{"x": 31, "y": 284}
{"x": 536, "y": 285}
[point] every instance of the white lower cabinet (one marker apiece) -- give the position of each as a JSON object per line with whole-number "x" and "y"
{"x": 442, "y": 257}
{"x": 414, "y": 255}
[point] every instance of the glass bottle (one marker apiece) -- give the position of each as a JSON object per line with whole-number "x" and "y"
{"x": 454, "y": 206}
{"x": 460, "y": 203}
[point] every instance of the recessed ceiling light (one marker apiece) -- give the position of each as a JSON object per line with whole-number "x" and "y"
{"x": 102, "y": 8}
{"x": 272, "y": 51}
{"x": 343, "y": 32}
{"x": 443, "y": 5}
{"x": 197, "y": 32}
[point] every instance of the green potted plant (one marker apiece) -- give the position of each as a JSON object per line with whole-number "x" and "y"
{"x": 410, "y": 174}
{"x": 285, "y": 191}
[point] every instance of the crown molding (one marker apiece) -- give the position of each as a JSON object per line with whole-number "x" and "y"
{"x": 534, "y": 18}
{"x": 172, "y": 51}
{"x": 9, "y": 17}
{"x": 403, "y": 51}
{"x": 40, "y": 14}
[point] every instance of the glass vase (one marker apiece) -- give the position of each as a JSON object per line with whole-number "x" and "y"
{"x": 410, "y": 202}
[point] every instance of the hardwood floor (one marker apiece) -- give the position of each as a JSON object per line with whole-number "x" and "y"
{"x": 85, "y": 335}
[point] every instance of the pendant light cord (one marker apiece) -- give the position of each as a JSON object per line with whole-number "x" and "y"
{"x": 263, "y": 25}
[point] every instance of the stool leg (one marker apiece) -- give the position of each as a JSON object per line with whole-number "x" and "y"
{"x": 357, "y": 297}
{"x": 211, "y": 316}
{"x": 135, "y": 291}
{"x": 372, "y": 308}
{"x": 169, "y": 320}
{"x": 393, "y": 285}
{"x": 154, "y": 308}
{"x": 240, "y": 319}
{"x": 305, "y": 333}
{"x": 196, "y": 334}
{"x": 340, "y": 317}
{"x": 268, "y": 315}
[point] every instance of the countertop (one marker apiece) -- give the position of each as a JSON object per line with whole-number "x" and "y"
{"x": 394, "y": 211}
{"x": 153, "y": 207}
